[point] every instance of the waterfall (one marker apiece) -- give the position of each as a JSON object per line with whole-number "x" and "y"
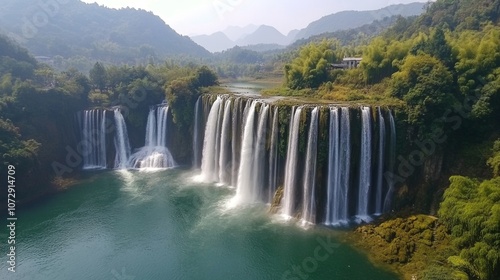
{"x": 345, "y": 162}
{"x": 102, "y": 142}
{"x": 309, "y": 198}
{"x": 380, "y": 167}
{"x": 288, "y": 203}
{"x": 218, "y": 136}
{"x": 365, "y": 166}
{"x": 392, "y": 163}
{"x": 162, "y": 125}
{"x": 245, "y": 190}
{"x": 94, "y": 135}
{"x": 241, "y": 147}
{"x": 209, "y": 144}
{"x": 273, "y": 157}
{"x": 224, "y": 144}
{"x": 334, "y": 206}
{"x": 196, "y": 134}
{"x": 151, "y": 137}
{"x": 122, "y": 144}
{"x": 155, "y": 153}
{"x": 339, "y": 165}
{"x": 236, "y": 136}
{"x": 259, "y": 161}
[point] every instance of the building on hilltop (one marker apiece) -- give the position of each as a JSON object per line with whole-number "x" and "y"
{"x": 347, "y": 63}
{"x": 351, "y": 62}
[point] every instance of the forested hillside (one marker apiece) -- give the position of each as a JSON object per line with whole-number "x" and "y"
{"x": 75, "y": 34}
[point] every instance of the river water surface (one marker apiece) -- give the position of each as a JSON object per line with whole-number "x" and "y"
{"x": 163, "y": 225}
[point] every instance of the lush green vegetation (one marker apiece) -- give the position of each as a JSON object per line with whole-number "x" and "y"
{"x": 311, "y": 68}
{"x": 445, "y": 61}
{"x": 471, "y": 212}
{"x": 462, "y": 243}
{"x": 35, "y": 105}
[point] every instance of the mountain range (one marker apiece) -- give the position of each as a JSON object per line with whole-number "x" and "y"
{"x": 268, "y": 35}
{"x": 75, "y": 34}
{"x": 73, "y": 29}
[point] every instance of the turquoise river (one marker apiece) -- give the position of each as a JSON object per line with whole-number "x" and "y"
{"x": 128, "y": 225}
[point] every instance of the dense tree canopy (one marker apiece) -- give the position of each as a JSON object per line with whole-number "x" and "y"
{"x": 425, "y": 84}
{"x": 311, "y": 68}
{"x": 471, "y": 210}
{"x": 98, "y": 76}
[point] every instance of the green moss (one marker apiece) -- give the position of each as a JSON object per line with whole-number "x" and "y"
{"x": 407, "y": 245}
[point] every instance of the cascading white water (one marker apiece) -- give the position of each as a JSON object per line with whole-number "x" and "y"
{"x": 392, "y": 163}
{"x": 102, "y": 142}
{"x": 122, "y": 144}
{"x": 208, "y": 162}
{"x": 151, "y": 136}
{"x": 288, "y": 202}
{"x": 344, "y": 169}
{"x": 309, "y": 198}
{"x": 162, "y": 125}
{"x": 224, "y": 176}
{"x": 155, "y": 153}
{"x": 259, "y": 161}
{"x": 273, "y": 157}
{"x": 241, "y": 149}
{"x": 244, "y": 191}
{"x": 334, "y": 205}
{"x": 196, "y": 134}
{"x": 94, "y": 135}
{"x": 236, "y": 136}
{"x": 365, "y": 166}
{"x": 218, "y": 136}
{"x": 380, "y": 167}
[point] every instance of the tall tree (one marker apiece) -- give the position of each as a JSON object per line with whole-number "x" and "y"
{"x": 98, "y": 76}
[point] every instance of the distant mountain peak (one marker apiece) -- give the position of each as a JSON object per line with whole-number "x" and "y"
{"x": 215, "y": 42}
{"x": 235, "y": 33}
{"x": 264, "y": 34}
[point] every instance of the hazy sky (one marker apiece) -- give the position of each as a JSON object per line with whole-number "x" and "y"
{"x": 194, "y": 17}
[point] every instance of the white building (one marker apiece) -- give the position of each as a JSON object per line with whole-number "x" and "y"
{"x": 351, "y": 62}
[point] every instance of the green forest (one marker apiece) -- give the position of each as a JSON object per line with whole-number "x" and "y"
{"x": 440, "y": 73}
